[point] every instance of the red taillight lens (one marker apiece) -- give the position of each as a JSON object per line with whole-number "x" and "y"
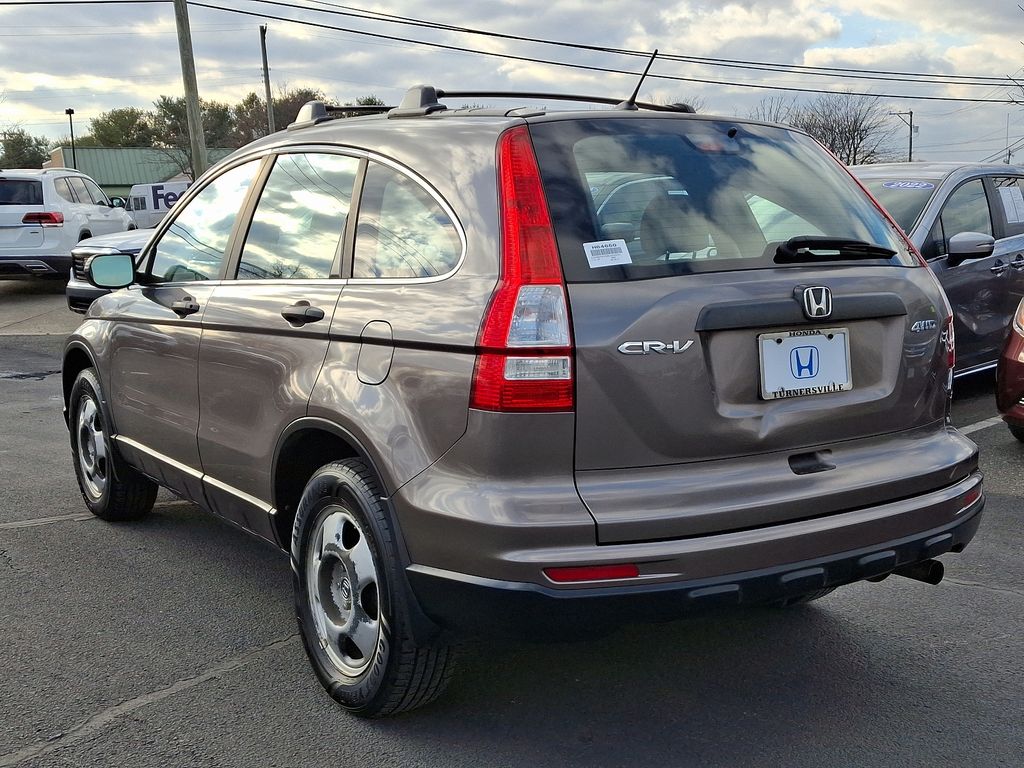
{"x": 525, "y": 360}
{"x": 592, "y": 572}
{"x": 44, "y": 218}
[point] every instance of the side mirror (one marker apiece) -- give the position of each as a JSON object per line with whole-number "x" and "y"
{"x": 111, "y": 270}
{"x": 969, "y": 245}
{"x": 117, "y": 202}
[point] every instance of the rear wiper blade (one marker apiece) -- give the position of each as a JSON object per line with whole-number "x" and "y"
{"x": 811, "y": 248}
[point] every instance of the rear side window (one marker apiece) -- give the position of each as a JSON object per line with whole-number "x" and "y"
{"x": 78, "y": 187}
{"x": 402, "y": 231}
{"x": 193, "y": 246}
{"x": 650, "y": 197}
{"x": 300, "y": 218}
{"x": 20, "y": 192}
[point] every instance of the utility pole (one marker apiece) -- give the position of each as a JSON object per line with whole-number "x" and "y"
{"x": 71, "y": 126}
{"x": 266, "y": 78}
{"x": 908, "y": 120}
{"x": 188, "y": 76}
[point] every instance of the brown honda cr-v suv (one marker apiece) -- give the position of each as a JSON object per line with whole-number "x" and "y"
{"x": 523, "y": 370}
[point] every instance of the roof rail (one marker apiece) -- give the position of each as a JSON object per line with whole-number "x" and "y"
{"x": 423, "y": 100}
{"x": 315, "y": 112}
{"x": 677, "y": 107}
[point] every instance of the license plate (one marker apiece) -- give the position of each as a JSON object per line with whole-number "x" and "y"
{"x": 805, "y": 362}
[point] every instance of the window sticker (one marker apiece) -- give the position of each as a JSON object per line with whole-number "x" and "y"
{"x": 1013, "y": 204}
{"x": 607, "y": 253}
{"x": 908, "y": 185}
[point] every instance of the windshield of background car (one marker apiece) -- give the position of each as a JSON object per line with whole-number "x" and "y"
{"x": 903, "y": 198}
{"x": 637, "y": 198}
{"x": 20, "y": 192}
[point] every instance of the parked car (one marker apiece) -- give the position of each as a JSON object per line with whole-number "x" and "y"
{"x": 472, "y": 383}
{"x": 967, "y": 220}
{"x": 79, "y": 291}
{"x": 1010, "y": 377}
{"x": 44, "y": 213}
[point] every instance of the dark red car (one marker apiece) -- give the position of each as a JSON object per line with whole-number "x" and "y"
{"x": 1010, "y": 377}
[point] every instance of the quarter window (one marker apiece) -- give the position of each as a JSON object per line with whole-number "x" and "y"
{"x": 300, "y": 218}
{"x": 402, "y": 231}
{"x": 193, "y": 246}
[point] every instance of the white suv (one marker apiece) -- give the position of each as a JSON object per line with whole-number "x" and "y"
{"x": 43, "y": 215}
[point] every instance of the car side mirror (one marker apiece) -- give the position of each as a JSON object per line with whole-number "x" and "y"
{"x": 969, "y": 245}
{"x": 111, "y": 270}
{"x": 117, "y": 202}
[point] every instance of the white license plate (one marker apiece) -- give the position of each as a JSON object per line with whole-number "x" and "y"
{"x": 805, "y": 362}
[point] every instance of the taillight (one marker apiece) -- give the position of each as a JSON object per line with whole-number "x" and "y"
{"x": 44, "y": 218}
{"x": 1018, "y": 318}
{"x": 524, "y": 362}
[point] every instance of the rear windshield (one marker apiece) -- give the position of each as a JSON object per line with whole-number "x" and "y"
{"x": 640, "y": 198}
{"x": 903, "y": 198}
{"x": 20, "y": 192}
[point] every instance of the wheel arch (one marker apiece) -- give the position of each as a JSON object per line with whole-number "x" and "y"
{"x": 77, "y": 357}
{"x": 305, "y": 446}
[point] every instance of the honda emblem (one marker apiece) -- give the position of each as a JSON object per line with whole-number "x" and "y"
{"x": 817, "y": 302}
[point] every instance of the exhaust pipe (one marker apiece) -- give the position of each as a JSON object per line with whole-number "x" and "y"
{"x": 928, "y": 571}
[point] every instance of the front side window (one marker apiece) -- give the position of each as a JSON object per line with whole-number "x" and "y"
{"x": 1011, "y": 200}
{"x": 966, "y": 211}
{"x": 193, "y": 247}
{"x": 96, "y": 194}
{"x": 402, "y": 231}
{"x": 300, "y": 218}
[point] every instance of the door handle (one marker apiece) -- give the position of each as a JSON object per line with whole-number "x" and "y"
{"x": 1018, "y": 263}
{"x": 185, "y": 307}
{"x": 300, "y": 313}
{"x": 998, "y": 268}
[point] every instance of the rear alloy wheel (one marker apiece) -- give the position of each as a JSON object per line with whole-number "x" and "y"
{"x": 352, "y": 611}
{"x": 111, "y": 489}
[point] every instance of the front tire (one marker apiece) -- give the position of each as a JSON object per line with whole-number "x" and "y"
{"x": 1017, "y": 432}
{"x": 354, "y": 616}
{"x": 112, "y": 490}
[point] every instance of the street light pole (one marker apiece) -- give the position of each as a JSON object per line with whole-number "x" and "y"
{"x": 266, "y": 78}
{"x": 71, "y": 125}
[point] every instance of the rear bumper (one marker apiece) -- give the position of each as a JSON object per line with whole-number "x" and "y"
{"x": 488, "y": 606}
{"x": 35, "y": 266}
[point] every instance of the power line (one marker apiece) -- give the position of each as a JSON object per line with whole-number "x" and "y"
{"x": 586, "y": 67}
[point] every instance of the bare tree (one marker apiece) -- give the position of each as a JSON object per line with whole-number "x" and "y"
{"x": 774, "y": 109}
{"x": 857, "y": 129}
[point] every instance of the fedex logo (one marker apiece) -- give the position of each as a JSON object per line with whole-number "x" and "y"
{"x": 167, "y": 198}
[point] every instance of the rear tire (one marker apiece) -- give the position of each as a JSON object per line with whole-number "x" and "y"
{"x": 1017, "y": 432}
{"x": 353, "y": 613}
{"x": 112, "y": 490}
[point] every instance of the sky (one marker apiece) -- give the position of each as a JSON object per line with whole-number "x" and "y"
{"x": 94, "y": 57}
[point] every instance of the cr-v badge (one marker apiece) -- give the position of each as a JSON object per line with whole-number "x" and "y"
{"x": 660, "y": 347}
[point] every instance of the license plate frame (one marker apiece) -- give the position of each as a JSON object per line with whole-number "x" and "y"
{"x": 788, "y": 368}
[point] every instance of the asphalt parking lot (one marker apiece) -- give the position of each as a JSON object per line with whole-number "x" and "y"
{"x": 172, "y": 642}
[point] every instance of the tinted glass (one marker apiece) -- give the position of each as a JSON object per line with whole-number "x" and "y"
{"x": 640, "y": 198}
{"x": 967, "y": 211}
{"x": 402, "y": 231}
{"x": 904, "y": 199}
{"x": 63, "y": 190}
{"x": 78, "y": 186}
{"x": 193, "y": 246}
{"x": 300, "y": 218}
{"x": 19, "y": 192}
{"x": 1011, "y": 202}
{"x": 96, "y": 193}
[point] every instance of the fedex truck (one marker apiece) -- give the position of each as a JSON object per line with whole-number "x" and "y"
{"x": 148, "y": 203}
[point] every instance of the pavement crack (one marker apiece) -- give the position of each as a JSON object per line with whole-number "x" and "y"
{"x": 32, "y": 523}
{"x": 987, "y": 587}
{"x": 104, "y": 719}
{"x": 22, "y": 375}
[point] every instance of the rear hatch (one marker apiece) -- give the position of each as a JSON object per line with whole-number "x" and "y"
{"x": 17, "y": 198}
{"x": 742, "y": 315}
